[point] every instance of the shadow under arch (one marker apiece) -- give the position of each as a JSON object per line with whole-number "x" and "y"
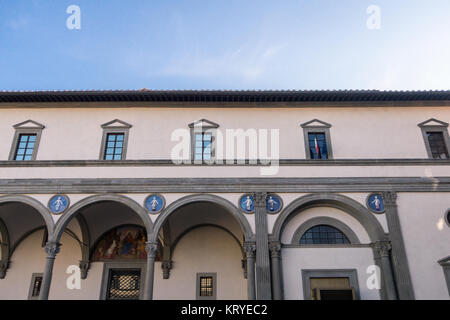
{"x": 227, "y": 205}
{"x": 338, "y": 201}
{"x": 73, "y": 211}
{"x": 198, "y": 226}
{"x": 35, "y": 204}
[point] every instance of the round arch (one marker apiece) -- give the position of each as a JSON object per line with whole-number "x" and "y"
{"x": 338, "y": 201}
{"x": 233, "y": 210}
{"x": 35, "y": 204}
{"x": 73, "y": 211}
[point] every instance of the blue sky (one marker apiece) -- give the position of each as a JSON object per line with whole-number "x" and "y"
{"x": 224, "y": 44}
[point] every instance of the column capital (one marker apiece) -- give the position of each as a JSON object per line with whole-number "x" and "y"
{"x": 260, "y": 199}
{"x": 52, "y": 249}
{"x": 382, "y": 248}
{"x": 151, "y": 248}
{"x": 275, "y": 249}
{"x": 389, "y": 197}
{"x": 250, "y": 249}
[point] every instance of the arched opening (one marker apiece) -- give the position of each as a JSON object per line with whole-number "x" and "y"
{"x": 203, "y": 238}
{"x": 329, "y": 238}
{"x": 22, "y": 219}
{"x": 111, "y": 224}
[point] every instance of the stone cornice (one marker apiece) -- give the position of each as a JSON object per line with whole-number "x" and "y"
{"x": 239, "y": 185}
{"x": 169, "y": 163}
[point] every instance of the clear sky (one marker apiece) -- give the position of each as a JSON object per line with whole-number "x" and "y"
{"x": 225, "y": 44}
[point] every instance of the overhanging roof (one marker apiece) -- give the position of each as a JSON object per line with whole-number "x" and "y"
{"x": 199, "y": 96}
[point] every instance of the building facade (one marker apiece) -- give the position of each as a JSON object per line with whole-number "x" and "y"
{"x": 224, "y": 195}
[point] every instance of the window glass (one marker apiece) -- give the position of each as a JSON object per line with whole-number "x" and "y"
{"x": 437, "y": 145}
{"x": 323, "y": 234}
{"x": 114, "y": 146}
{"x": 317, "y": 146}
{"x": 25, "y": 147}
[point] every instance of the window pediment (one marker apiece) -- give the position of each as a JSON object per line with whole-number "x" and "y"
{"x": 203, "y": 123}
{"x": 29, "y": 124}
{"x": 116, "y": 123}
{"x": 315, "y": 123}
{"x": 433, "y": 122}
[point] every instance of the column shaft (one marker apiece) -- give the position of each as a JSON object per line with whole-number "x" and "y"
{"x": 263, "y": 279}
{"x": 52, "y": 249}
{"x": 152, "y": 249}
{"x": 250, "y": 249}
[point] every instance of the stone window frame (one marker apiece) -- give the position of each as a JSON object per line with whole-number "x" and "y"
{"x": 307, "y": 274}
{"x": 346, "y": 230}
{"x": 110, "y": 127}
{"x": 440, "y": 127}
{"x": 206, "y": 274}
{"x": 445, "y": 264}
{"x": 324, "y": 128}
{"x": 125, "y": 265}
{"x": 22, "y": 128}
{"x": 33, "y": 279}
{"x": 204, "y": 125}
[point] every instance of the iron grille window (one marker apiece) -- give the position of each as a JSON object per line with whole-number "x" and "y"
{"x": 323, "y": 234}
{"x": 25, "y": 147}
{"x": 203, "y": 146}
{"x": 317, "y": 146}
{"x": 437, "y": 145}
{"x": 36, "y": 286}
{"x": 206, "y": 287}
{"x": 114, "y": 146}
{"x": 124, "y": 285}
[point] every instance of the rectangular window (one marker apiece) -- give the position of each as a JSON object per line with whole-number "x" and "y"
{"x": 114, "y": 146}
{"x": 202, "y": 148}
{"x": 35, "y": 286}
{"x": 206, "y": 286}
{"x": 25, "y": 147}
{"x": 124, "y": 284}
{"x": 437, "y": 145}
{"x": 317, "y": 145}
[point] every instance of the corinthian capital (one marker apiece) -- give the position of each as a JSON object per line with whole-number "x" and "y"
{"x": 250, "y": 249}
{"x": 260, "y": 199}
{"x": 151, "y": 248}
{"x": 390, "y": 197}
{"x": 383, "y": 248}
{"x": 275, "y": 249}
{"x": 52, "y": 249}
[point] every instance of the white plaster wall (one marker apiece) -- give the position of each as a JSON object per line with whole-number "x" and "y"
{"x": 296, "y": 259}
{"x": 206, "y": 249}
{"x": 149, "y": 138}
{"x": 299, "y": 219}
{"x": 221, "y": 172}
{"x": 427, "y": 240}
{"x": 28, "y": 258}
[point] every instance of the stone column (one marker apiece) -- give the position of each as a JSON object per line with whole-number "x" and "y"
{"x": 398, "y": 253}
{"x": 263, "y": 281}
{"x": 275, "y": 254}
{"x": 52, "y": 249}
{"x": 250, "y": 248}
{"x": 152, "y": 250}
{"x": 382, "y": 249}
